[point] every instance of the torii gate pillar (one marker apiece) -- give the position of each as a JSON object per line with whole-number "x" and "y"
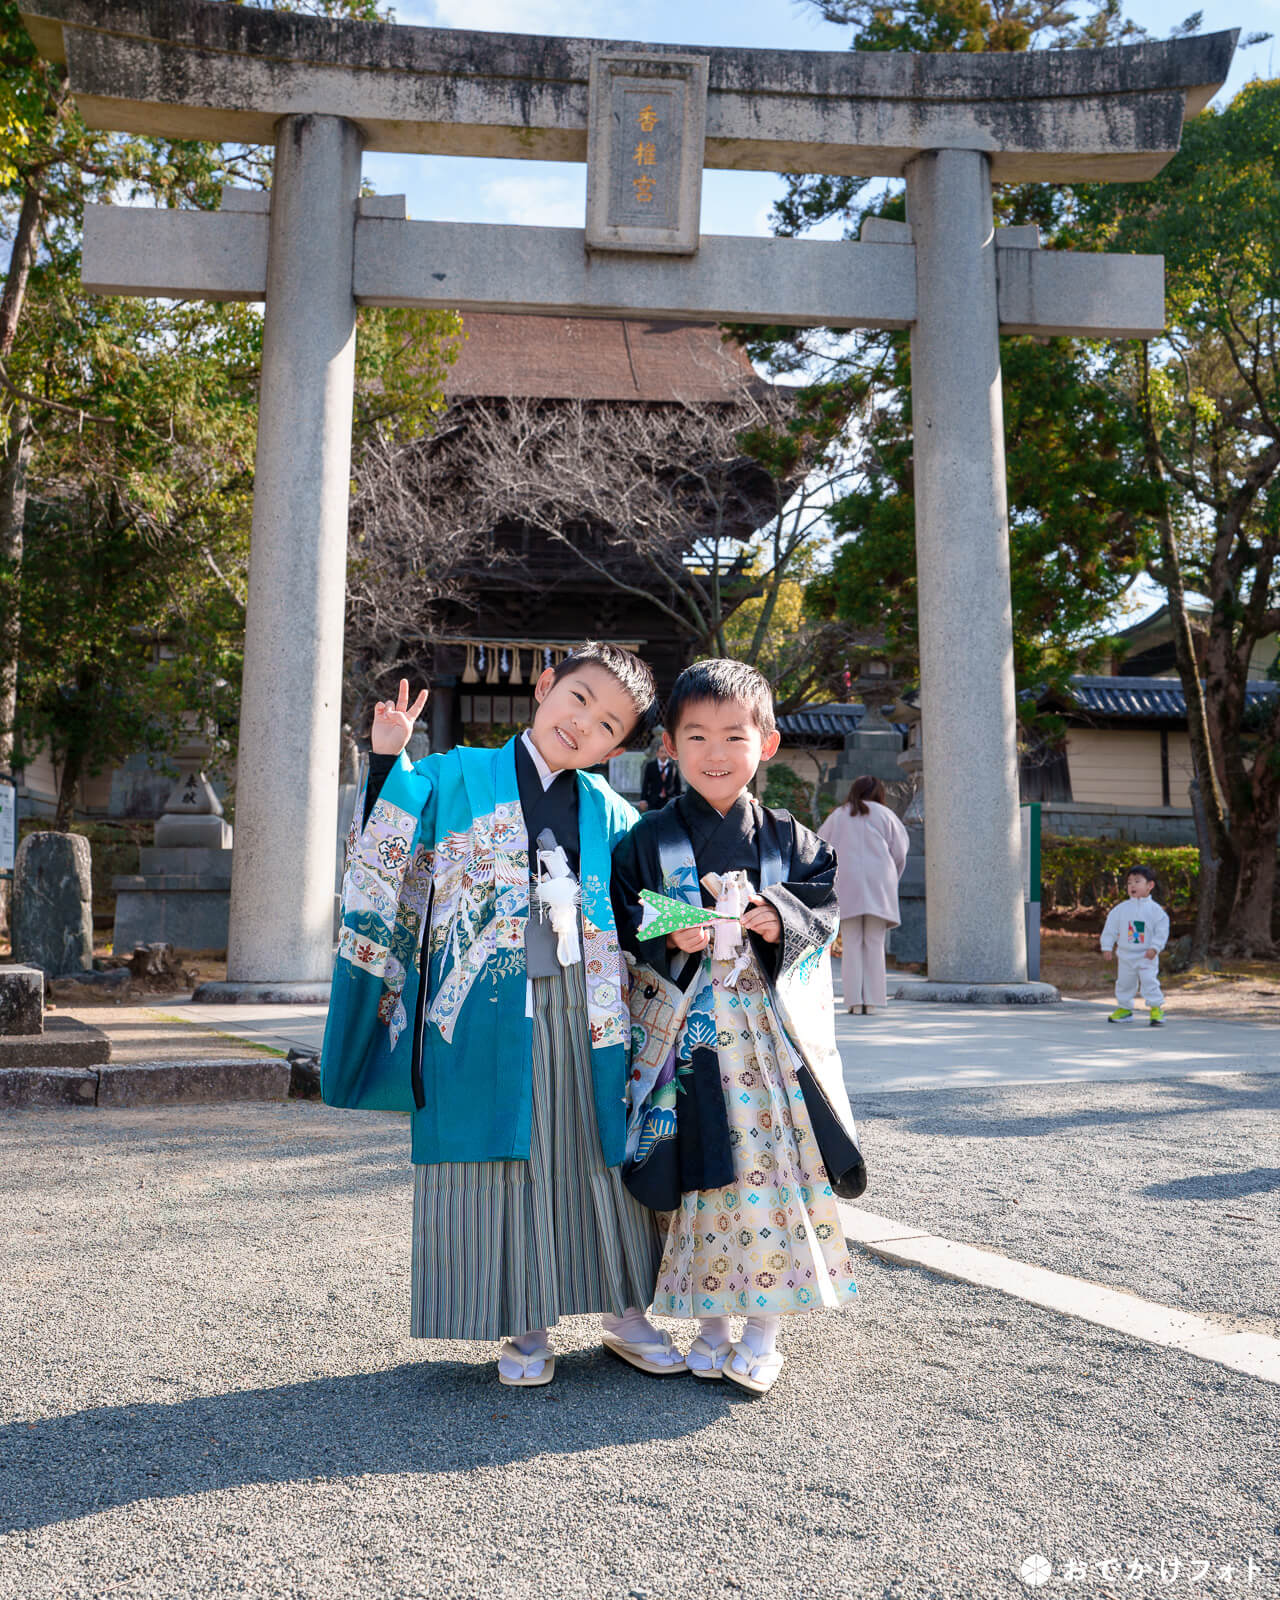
{"x": 287, "y": 816}
{"x": 976, "y": 929}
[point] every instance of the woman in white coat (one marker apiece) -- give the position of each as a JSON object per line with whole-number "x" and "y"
{"x": 871, "y": 851}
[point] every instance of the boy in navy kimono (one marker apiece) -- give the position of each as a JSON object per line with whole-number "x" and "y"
{"x": 741, "y": 1128}
{"x": 471, "y": 990}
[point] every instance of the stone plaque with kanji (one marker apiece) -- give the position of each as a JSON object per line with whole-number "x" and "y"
{"x": 645, "y": 143}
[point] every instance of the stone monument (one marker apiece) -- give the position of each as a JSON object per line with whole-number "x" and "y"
{"x": 323, "y": 91}
{"x": 182, "y": 895}
{"x": 53, "y": 904}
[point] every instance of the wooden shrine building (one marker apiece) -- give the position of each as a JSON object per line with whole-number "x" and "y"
{"x": 485, "y": 658}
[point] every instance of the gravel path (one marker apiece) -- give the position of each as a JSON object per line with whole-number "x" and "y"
{"x": 1168, "y": 1188}
{"x": 208, "y": 1391}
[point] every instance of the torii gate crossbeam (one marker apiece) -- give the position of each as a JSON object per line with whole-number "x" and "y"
{"x": 323, "y": 91}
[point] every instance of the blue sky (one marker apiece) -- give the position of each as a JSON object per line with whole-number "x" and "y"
{"x": 552, "y": 194}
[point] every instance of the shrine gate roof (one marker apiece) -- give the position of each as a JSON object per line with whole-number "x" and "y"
{"x": 596, "y": 358}
{"x": 195, "y": 69}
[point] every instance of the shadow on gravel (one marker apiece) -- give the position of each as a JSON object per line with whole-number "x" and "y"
{"x": 425, "y": 1417}
{"x": 1218, "y": 1185}
{"x": 1177, "y": 1097}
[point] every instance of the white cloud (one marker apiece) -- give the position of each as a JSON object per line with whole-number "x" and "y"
{"x": 587, "y": 18}
{"x": 542, "y": 201}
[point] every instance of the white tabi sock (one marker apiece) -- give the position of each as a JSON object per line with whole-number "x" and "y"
{"x": 534, "y": 1339}
{"x": 633, "y": 1327}
{"x": 760, "y": 1337}
{"x": 715, "y": 1331}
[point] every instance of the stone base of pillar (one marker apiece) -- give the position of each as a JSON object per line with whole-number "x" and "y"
{"x": 979, "y": 994}
{"x": 262, "y": 994}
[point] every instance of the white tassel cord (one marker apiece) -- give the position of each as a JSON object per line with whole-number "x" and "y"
{"x": 558, "y": 896}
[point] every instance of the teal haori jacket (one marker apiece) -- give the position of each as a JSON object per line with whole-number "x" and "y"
{"x": 438, "y": 883}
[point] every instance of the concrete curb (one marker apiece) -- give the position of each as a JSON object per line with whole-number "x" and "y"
{"x": 190, "y": 1082}
{"x": 63, "y": 1043}
{"x": 1220, "y": 1340}
{"x": 43, "y": 1088}
{"x": 140, "y": 1083}
{"x": 980, "y": 994}
{"x": 262, "y": 994}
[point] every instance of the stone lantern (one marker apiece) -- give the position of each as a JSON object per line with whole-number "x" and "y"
{"x": 182, "y": 895}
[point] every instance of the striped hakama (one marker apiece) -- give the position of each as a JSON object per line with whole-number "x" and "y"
{"x": 503, "y": 1246}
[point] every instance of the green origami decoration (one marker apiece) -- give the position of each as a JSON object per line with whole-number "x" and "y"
{"x": 663, "y": 915}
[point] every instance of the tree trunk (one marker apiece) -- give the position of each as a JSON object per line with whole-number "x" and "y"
{"x": 1206, "y": 892}
{"x": 1249, "y": 931}
{"x": 13, "y": 507}
{"x": 21, "y": 255}
{"x": 68, "y": 788}
{"x": 13, "y": 487}
{"x": 1218, "y": 866}
{"x": 13, "y": 504}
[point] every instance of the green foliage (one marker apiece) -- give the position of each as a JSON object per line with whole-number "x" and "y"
{"x": 1088, "y": 873}
{"x": 1209, "y": 394}
{"x": 1078, "y": 509}
{"x": 131, "y": 587}
{"x": 976, "y": 25}
{"x": 1079, "y": 506}
{"x": 783, "y": 786}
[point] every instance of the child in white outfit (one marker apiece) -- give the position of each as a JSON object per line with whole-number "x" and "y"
{"x": 1137, "y": 930}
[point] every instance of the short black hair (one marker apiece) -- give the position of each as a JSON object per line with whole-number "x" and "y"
{"x": 723, "y": 682}
{"x": 1140, "y": 870}
{"x": 632, "y": 674}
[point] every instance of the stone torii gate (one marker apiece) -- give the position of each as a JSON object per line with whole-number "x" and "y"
{"x": 322, "y": 92}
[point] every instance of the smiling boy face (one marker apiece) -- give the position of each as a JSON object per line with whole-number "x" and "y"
{"x": 718, "y": 746}
{"x": 583, "y": 719}
{"x": 1139, "y": 887}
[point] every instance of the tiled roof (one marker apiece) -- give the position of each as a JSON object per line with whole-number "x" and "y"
{"x": 1136, "y": 699}
{"x": 595, "y": 358}
{"x": 820, "y": 724}
{"x": 1145, "y": 697}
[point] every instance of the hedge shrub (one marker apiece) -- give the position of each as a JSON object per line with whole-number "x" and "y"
{"x": 1079, "y": 874}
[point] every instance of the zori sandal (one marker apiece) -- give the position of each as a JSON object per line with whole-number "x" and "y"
{"x": 646, "y": 1357}
{"x": 513, "y": 1353}
{"x": 761, "y": 1371}
{"x": 715, "y": 1357}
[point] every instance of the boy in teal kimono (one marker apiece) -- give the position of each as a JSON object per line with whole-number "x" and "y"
{"x": 507, "y": 1043}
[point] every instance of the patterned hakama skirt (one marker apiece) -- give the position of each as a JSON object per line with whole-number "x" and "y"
{"x": 503, "y": 1246}
{"x": 772, "y": 1242}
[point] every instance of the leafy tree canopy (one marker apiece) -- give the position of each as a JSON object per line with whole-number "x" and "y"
{"x": 1079, "y": 512}
{"x": 129, "y": 429}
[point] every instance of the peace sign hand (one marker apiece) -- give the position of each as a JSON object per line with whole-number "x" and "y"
{"x": 393, "y": 721}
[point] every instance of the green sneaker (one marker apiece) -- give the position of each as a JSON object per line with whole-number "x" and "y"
{"x": 1156, "y": 1019}
{"x": 1120, "y": 1015}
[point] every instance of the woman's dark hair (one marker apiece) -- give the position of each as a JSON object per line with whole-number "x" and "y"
{"x": 862, "y": 790}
